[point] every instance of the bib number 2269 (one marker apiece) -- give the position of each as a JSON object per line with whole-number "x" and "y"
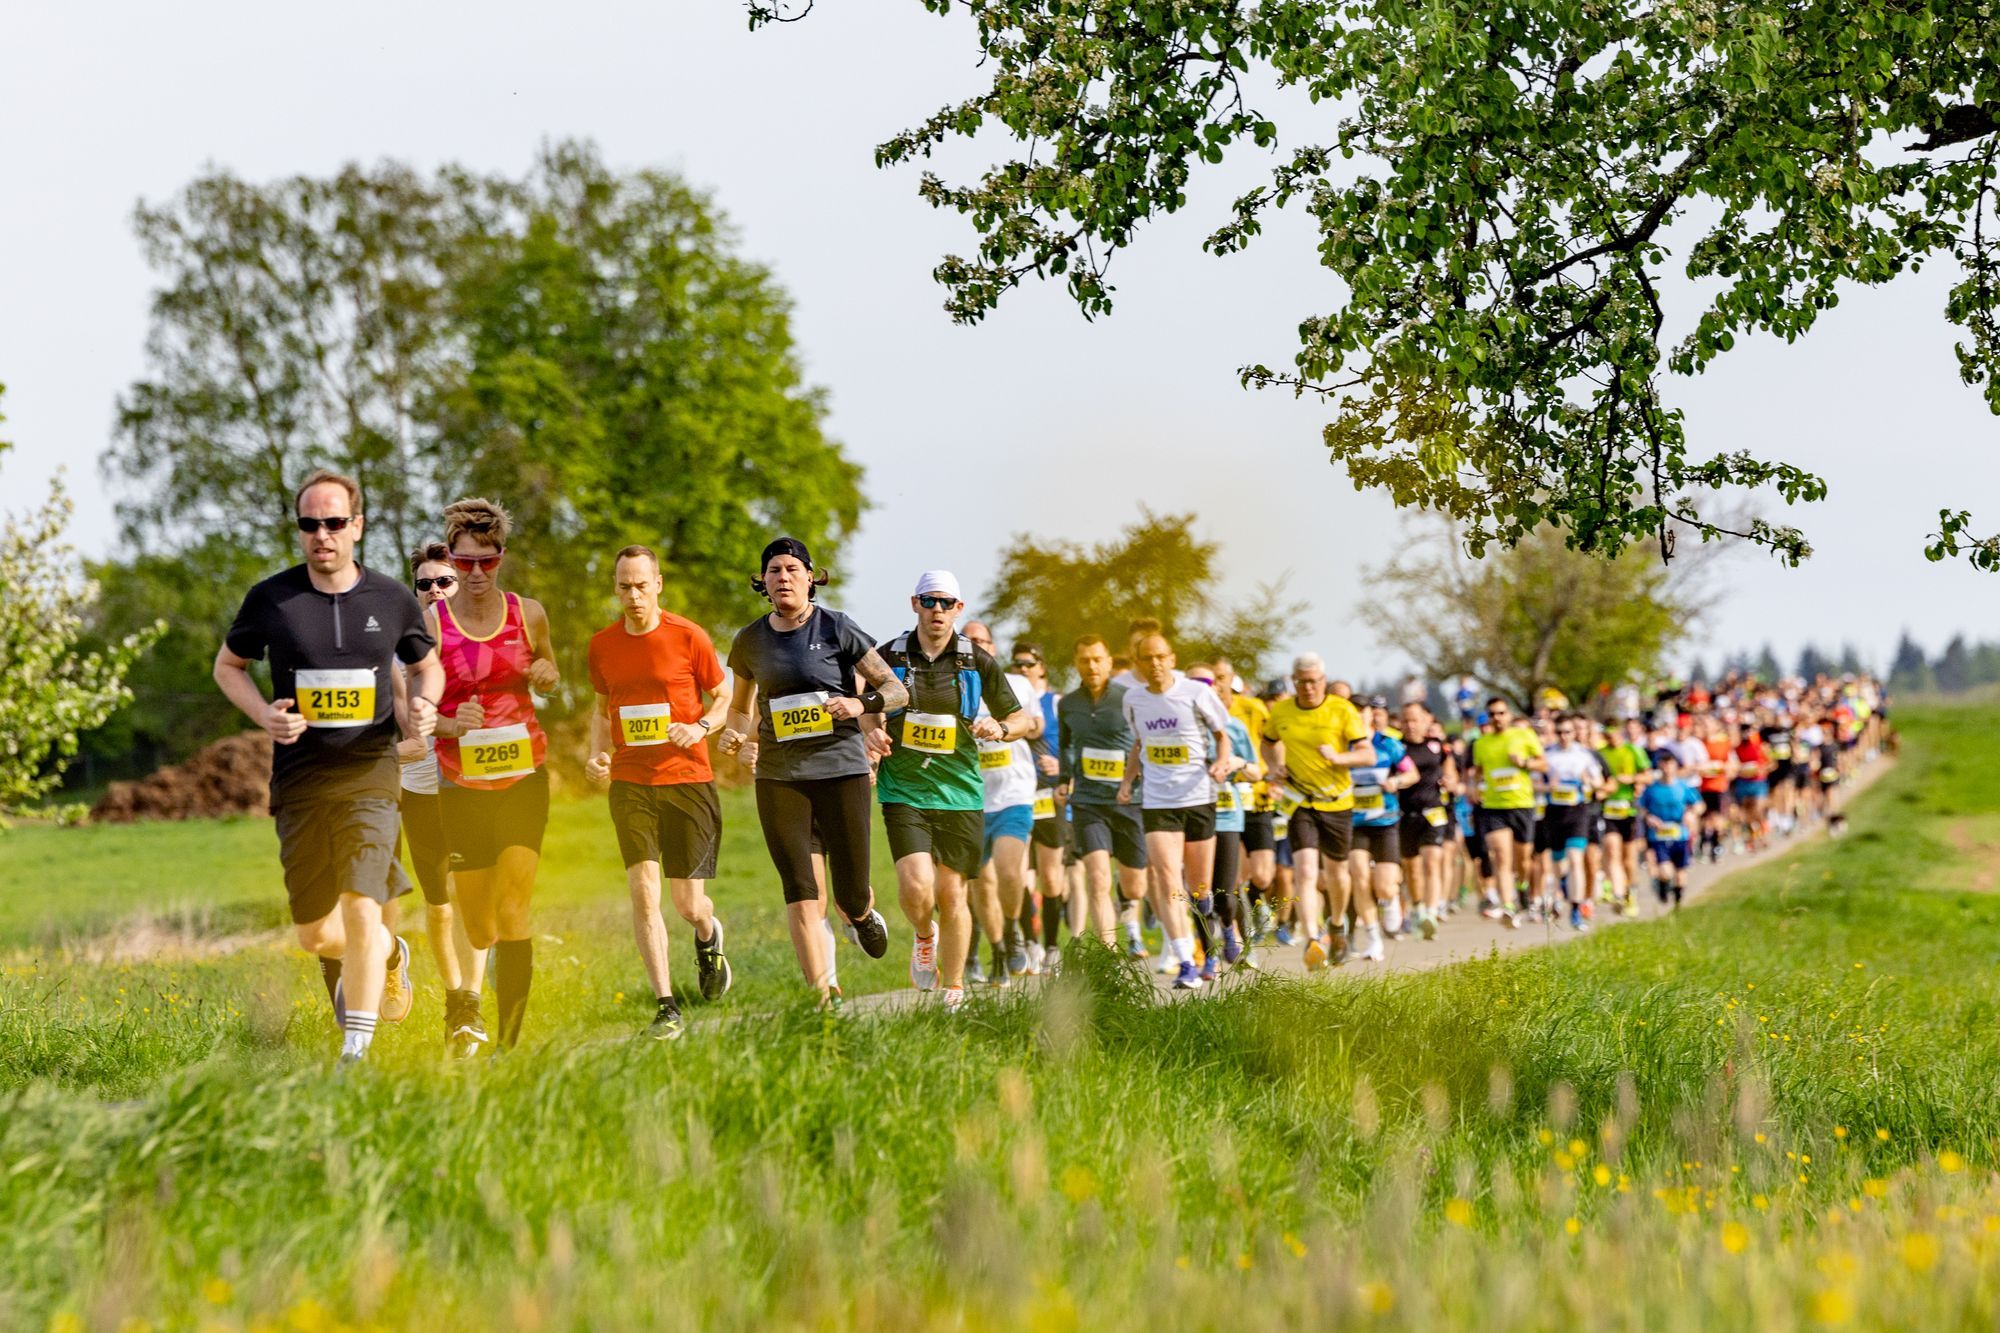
{"x": 489, "y": 753}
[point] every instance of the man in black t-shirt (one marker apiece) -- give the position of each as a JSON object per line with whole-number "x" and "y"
{"x": 334, "y": 632}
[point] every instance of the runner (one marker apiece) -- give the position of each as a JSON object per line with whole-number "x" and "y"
{"x": 1375, "y": 862}
{"x": 794, "y": 672}
{"x": 1573, "y": 778}
{"x": 1174, "y": 720}
{"x": 933, "y": 798}
{"x": 1260, "y": 839}
{"x": 1750, "y": 790}
{"x": 1093, "y": 742}
{"x": 1426, "y": 825}
{"x": 497, "y": 655}
{"x": 333, "y": 631}
{"x": 1501, "y": 769}
{"x": 1051, "y": 838}
{"x": 1230, "y": 932}
{"x": 1718, "y": 770}
{"x": 1008, "y": 771}
{"x": 1629, "y": 768}
{"x": 649, "y": 739}
{"x": 461, "y": 967}
{"x": 1668, "y": 805}
{"x": 1312, "y": 742}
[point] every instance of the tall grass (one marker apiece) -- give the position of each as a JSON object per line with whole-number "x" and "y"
{"x": 1773, "y": 1110}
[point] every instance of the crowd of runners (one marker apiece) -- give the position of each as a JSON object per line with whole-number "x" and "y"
{"x": 1172, "y": 810}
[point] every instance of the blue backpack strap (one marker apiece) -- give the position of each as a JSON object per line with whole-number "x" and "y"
{"x": 968, "y": 678}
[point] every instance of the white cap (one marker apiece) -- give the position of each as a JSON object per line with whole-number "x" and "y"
{"x": 933, "y": 581}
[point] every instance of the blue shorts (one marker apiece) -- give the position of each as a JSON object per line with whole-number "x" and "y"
{"x": 1283, "y": 849}
{"x": 1015, "y": 821}
{"x": 1674, "y": 854}
{"x": 1746, "y": 789}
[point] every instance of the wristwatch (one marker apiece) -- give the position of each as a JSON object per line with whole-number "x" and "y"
{"x": 702, "y": 722}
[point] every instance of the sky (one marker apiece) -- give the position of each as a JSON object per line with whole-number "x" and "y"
{"x": 1077, "y": 423}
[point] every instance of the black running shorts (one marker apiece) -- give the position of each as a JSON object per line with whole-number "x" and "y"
{"x": 479, "y": 823}
{"x": 1521, "y": 823}
{"x": 1111, "y": 828}
{"x": 340, "y": 845}
{"x": 1380, "y": 842}
{"x": 1258, "y": 835}
{"x": 678, "y": 824}
{"x": 1416, "y": 830}
{"x": 1329, "y": 832}
{"x": 955, "y": 839}
{"x": 1195, "y": 822}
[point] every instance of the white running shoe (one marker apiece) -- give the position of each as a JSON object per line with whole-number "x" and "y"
{"x": 1427, "y": 923}
{"x": 1371, "y": 945}
{"x": 1392, "y": 916}
{"x": 1166, "y": 965}
{"x": 953, "y": 998}
{"x": 923, "y": 962}
{"x": 1036, "y": 956}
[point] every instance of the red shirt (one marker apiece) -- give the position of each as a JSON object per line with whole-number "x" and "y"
{"x": 1718, "y": 757}
{"x": 646, "y": 680}
{"x": 1753, "y": 759}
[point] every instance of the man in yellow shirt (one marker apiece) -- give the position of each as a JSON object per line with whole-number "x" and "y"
{"x": 1503, "y": 761}
{"x": 1311, "y": 742}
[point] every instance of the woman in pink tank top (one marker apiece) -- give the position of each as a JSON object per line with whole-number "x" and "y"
{"x": 496, "y": 651}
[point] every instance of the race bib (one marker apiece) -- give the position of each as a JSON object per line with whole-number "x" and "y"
{"x": 1167, "y": 756}
{"x": 1670, "y": 833}
{"x": 644, "y": 724}
{"x": 797, "y": 716}
{"x": 1435, "y": 816}
{"x": 1281, "y": 828}
{"x": 995, "y": 757}
{"x": 1289, "y": 802}
{"x": 1501, "y": 779}
{"x": 1367, "y": 798}
{"x": 931, "y": 733}
{"x": 336, "y": 698}
{"x": 1615, "y": 809}
{"x": 1045, "y": 806}
{"x": 496, "y": 752}
{"x": 1566, "y": 795}
{"x": 1781, "y": 752}
{"x": 1104, "y": 765}
{"x": 1225, "y": 799}
{"x": 1829, "y": 775}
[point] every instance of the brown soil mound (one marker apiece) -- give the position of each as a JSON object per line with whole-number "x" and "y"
{"x": 230, "y": 777}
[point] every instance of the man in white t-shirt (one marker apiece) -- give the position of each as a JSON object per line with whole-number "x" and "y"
{"x": 1007, "y": 769}
{"x": 1174, "y": 723}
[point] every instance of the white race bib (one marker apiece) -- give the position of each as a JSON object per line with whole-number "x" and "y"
{"x": 644, "y": 724}
{"x": 496, "y": 752}
{"x": 930, "y": 733}
{"x": 335, "y": 698}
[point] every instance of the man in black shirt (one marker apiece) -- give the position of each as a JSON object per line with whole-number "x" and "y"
{"x": 334, "y": 631}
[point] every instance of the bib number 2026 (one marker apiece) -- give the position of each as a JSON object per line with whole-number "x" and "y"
{"x": 797, "y": 716}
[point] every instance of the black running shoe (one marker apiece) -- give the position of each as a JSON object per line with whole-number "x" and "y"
{"x": 714, "y": 968}
{"x": 667, "y": 1024}
{"x": 871, "y": 932}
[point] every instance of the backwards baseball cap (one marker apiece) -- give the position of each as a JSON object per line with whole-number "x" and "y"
{"x": 938, "y": 581}
{"x": 791, "y": 546}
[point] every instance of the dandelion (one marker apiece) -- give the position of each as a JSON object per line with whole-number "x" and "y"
{"x": 1920, "y": 1251}
{"x": 1881, "y": 1135}
{"x": 1243, "y": 1262}
{"x": 1735, "y": 1237}
{"x": 1458, "y": 1212}
{"x": 217, "y": 1291}
{"x": 1572, "y": 1225}
{"x": 1760, "y": 1136}
{"x": 1546, "y": 1137}
{"x": 1378, "y": 1296}
{"x": 1295, "y": 1245}
{"x": 1875, "y": 1188}
{"x": 1078, "y": 1182}
{"x": 1578, "y": 1148}
{"x": 1854, "y": 1205}
{"x": 1760, "y": 1203}
{"x": 1840, "y": 1132}
{"x": 618, "y": 997}
{"x": 1950, "y": 1162}
{"x": 1602, "y": 1174}
{"x": 1181, "y": 1262}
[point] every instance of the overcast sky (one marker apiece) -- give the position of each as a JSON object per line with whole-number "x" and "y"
{"x": 101, "y": 106}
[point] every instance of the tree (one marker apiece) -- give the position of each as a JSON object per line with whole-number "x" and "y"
{"x": 1502, "y": 193}
{"x": 1909, "y": 671}
{"x": 1766, "y": 665}
{"x": 1055, "y": 592}
{"x": 50, "y": 693}
{"x": 1813, "y": 664}
{"x": 1538, "y": 615}
{"x": 1953, "y": 669}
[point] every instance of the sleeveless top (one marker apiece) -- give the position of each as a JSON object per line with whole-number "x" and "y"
{"x": 493, "y": 670}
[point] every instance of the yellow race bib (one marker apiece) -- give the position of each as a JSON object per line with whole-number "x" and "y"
{"x": 496, "y": 752}
{"x": 1104, "y": 765}
{"x": 336, "y": 698}
{"x": 993, "y": 758}
{"x": 1225, "y": 799}
{"x": 1616, "y": 809}
{"x": 1367, "y": 798}
{"x": 1564, "y": 794}
{"x": 644, "y": 724}
{"x": 1167, "y": 756}
{"x": 1045, "y": 806}
{"x": 1669, "y": 833}
{"x": 1435, "y": 816}
{"x": 931, "y": 733}
{"x": 797, "y": 716}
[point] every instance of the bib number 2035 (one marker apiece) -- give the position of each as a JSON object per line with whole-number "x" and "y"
{"x": 336, "y": 698}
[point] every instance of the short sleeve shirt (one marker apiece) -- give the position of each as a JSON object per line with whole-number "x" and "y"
{"x": 331, "y": 654}
{"x": 1302, "y": 731}
{"x": 1504, "y": 781}
{"x": 1173, "y": 731}
{"x": 1008, "y": 767}
{"x": 933, "y": 762}
{"x": 1375, "y": 806}
{"x": 647, "y": 681}
{"x": 796, "y": 672}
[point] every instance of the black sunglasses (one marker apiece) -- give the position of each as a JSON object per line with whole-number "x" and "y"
{"x": 930, "y": 603}
{"x": 1024, "y": 662}
{"x": 441, "y": 581}
{"x": 335, "y": 524}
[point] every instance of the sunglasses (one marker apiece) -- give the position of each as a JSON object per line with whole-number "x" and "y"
{"x": 1202, "y": 680}
{"x": 338, "y": 523}
{"x": 441, "y": 582}
{"x": 929, "y": 603}
{"x": 1023, "y": 663}
{"x": 465, "y": 564}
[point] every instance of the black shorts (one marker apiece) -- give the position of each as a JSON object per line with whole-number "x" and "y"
{"x": 1784, "y": 774}
{"x": 1380, "y": 842}
{"x": 1417, "y": 831}
{"x": 1520, "y": 823}
{"x": 1110, "y": 828}
{"x": 1258, "y": 833}
{"x": 1475, "y": 847}
{"x": 423, "y": 831}
{"x": 1716, "y": 802}
{"x": 1562, "y": 825}
{"x": 955, "y": 839}
{"x": 480, "y": 822}
{"x": 343, "y": 845}
{"x": 1049, "y": 832}
{"x": 1328, "y": 832}
{"x": 1195, "y": 822}
{"x": 1626, "y": 828}
{"x": 677, "y": 824}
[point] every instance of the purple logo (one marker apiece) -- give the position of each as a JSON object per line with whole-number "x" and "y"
{"x": 1162, "y": 724}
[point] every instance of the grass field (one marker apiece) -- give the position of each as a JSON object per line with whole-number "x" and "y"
{"x": 1776, "y": 1110}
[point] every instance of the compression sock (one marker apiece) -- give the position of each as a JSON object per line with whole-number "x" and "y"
{"x": 359, "y": 1031}
{"x": 513, "y": 975}
{"x": 1052, "y": 919}
{"x": 832, "y": 955}
{"x": 329, "y": 972}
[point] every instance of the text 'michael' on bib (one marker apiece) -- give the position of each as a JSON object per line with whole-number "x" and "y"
{"x": 490, "y": 753}
{"x": 336, "y": 698}
{"x": 797, "y": 716}
{"x": 930, "y": 733}
{"x": 644, "y": 724}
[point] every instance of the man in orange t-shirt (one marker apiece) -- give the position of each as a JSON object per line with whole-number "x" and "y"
{"x": 649, "y": 740}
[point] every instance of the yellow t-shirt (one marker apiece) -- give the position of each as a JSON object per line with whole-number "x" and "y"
{"x": 1253, "y": 713}
{"x": 1503, "y": 784}
{"x": 1302, "y": 731}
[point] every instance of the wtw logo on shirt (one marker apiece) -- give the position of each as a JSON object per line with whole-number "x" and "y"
{"x": 1162, "y": 723}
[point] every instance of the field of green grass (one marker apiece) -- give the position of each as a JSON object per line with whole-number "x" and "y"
{"x": 1775, "y": 1110}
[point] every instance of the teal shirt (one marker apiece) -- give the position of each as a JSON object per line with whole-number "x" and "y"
{"x": 925, "y": 769}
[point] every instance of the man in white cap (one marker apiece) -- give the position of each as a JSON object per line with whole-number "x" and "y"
{"x": 933, "y": 798}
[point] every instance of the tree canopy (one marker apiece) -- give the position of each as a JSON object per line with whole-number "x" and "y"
{"x": 1500, "y": 190}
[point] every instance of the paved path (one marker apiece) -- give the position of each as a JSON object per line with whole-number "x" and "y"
{"x": 1466, "y": 934}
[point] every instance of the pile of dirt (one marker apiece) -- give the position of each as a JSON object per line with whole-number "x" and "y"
{"x": 230, "y": 777}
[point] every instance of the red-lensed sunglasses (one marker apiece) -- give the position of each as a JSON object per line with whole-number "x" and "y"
{"x": 465, "y": 564}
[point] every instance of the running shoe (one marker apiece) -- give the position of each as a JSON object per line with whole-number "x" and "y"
{"x": 396, "y": 994}
{"x": 349, "y": 1059}
{"x": 1000, "y": 970}
{"x": 1187, "y": 978}
{"x": 1576, "y": 916}
{"x": 833, "y": 1001}
{"x": 1315, "y": 954}
{"x": 871, "y": 932}
{"x": 710, "y": 962}
{"x": 465, "y": 1030}
{"x": 1038, "y": 958}
{"x": 1283, "y": 935}
{"x": 1166, "y": 966}
{"x": 1336, "y": 947}
{"x": 923, "y": 962}
{"x": 1232, "y": 946}
{"x": 1371, "y": 950}
{"x": 953, "y": 999}
{"x": 1492, "y": 911}
{"x": 1136, "y": 948}
{"x": 1208, "y": 968}
{"x": 1262, "y": 920}
{"x": 1427, "y": 924}
{"x": 975, "y": 971}
{"x": 667, "y": 1024}
{"x": 1018, "y": 962}
{"x": 1392, "y": 917}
